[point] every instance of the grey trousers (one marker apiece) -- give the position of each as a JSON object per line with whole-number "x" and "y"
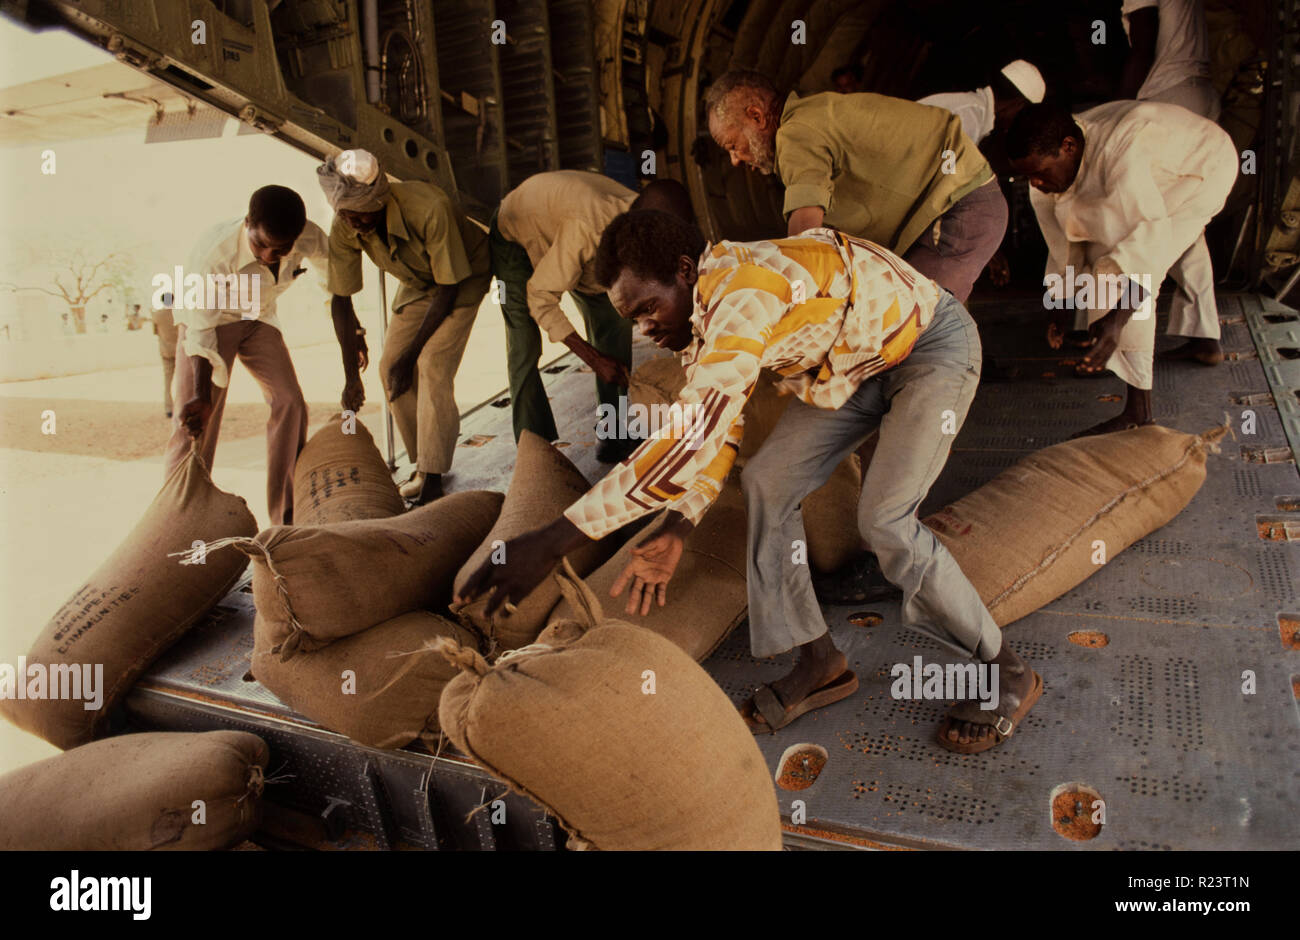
{"x": 954, "y": 251}
{"x": 919, "y": 405}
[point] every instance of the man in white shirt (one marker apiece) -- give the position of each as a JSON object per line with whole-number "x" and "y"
{"x": 996, "y": 105}
{"x": 1169, "y": 61}
{"x": 225, "y": 308}
{"x": 983, "y": 111}
{"x": 1121, "y": 192}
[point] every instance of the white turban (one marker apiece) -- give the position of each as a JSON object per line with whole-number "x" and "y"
{"x": 354, "y": 180}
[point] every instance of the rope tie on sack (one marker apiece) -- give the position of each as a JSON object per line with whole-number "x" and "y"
{"x": 579, "y": 594}
{"x": 462, "y": 657}
{"x": 522, "y": 650}
{"x": 250, "y": 546}
{"x": 256, "y": 783}
{"x": 287, "y": 647}
{"x": 487, "y": 802}
{"x": 1210, "y": 439}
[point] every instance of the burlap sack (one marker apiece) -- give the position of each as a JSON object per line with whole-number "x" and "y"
{"x": 317, "y": 584}
{"x": 1027, "y": 536}
{"x": 137, "y": 792}
{"x": 342, "y": 476}
{"x": 543, "y": 485}
{"x": 136, "y": 604}
{"x": 391, "y": 696}
{"x": 573, "y": 722}
{"x": 706, "y": 596}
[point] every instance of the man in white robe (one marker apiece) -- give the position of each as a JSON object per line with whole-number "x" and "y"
{"x": 1121, "y": 193}
{"x": 1169, "y": 61}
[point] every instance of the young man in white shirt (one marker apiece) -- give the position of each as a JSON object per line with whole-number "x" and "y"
{"x": 1121, "y": 192}
{"x": 225, "y": 308}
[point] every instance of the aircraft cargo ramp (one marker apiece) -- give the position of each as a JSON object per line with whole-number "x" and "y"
{"x": 1155, "y": 722}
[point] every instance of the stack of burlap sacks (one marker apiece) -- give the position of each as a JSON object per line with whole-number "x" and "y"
{"x": 364, "y": 597}
{"x": 347, "y": 597}
{"x": 353, "y": 630}
{"x": 350, "y": 620}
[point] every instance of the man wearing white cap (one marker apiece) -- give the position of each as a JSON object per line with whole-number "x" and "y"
{"x": 1169, "y": 61}
{"x": 414, "y": 232}
{"x": 996, "y": 105}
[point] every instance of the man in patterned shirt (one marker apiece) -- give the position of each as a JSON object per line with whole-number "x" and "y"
{"x": 865, "y": 342}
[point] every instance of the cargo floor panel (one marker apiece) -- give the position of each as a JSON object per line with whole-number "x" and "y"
{"x": 1157, "y": 723}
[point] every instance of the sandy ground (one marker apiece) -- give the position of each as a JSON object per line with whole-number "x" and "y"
{"x": 67, "y": 499}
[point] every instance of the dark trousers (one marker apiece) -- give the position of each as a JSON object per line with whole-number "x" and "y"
{"x": 609, "y": 333}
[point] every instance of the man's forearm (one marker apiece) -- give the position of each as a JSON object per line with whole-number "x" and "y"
{"x": 578, "y": 345}
{"x": 677, "y": 524}
{"x": 345, "y": 330}
{"x": 202, "y": 368}
{"x": 563, "y": 537}
{"x": 438, "y": 310}
{"x": 805, "y": 218}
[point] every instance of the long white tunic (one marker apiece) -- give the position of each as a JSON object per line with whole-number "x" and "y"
{"x": 1151, "y": 177}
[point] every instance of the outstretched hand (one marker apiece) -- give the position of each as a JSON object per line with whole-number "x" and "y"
{"x": 653, "y": 562}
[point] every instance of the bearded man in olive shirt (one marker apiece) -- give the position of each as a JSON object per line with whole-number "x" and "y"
{"x": 894, "y": 172}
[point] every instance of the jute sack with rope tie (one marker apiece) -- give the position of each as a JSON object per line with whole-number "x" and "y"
{"x": 340, "y": 476}
{"x": 829, "y": 513}
{"x": 1031, "y": 533}
{"x": 137, "y": 603}
{"x": 313, "y": 585}
{"x": 380, "y": 687}
{"x": 706, "y": 597}
{"x": 544, "y": 484}
{"x": 137, "y": 792}
{"x": 617, "y": 732}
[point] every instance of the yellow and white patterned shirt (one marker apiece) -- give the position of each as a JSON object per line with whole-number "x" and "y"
{"x": 824, "y": 310}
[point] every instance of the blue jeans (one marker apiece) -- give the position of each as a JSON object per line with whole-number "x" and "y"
{"x": 918, "y": 405}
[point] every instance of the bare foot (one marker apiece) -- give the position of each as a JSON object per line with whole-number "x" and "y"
{"x": 1015, "y": 680}
{"x": 819, "y": 663}
{"x": 1208, "y": 352}
{"x": 1121, "y": 422}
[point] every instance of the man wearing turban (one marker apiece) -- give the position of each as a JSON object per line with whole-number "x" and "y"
{"x": 414, "y": 232}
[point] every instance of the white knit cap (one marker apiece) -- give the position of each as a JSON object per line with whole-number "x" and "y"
{"x": 1026, "y": 79}
{"x": 362, "y": 166}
